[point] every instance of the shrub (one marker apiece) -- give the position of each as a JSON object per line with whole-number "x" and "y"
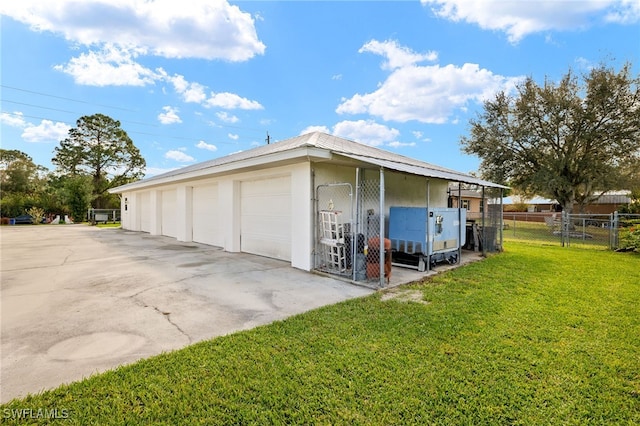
{"x": 630, "y": 239}
{"x": 36, "y": 213}
{"x": 517, "y": 207}
{"x": 4, "y": 221}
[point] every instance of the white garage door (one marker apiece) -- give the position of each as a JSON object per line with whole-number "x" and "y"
{"x": 206, "y": 223}
{"x": 169, "y": 213}
{"x": 144, "y": 210}
{"x": 265, "y": 217}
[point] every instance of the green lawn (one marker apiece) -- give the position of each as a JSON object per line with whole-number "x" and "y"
{"x": 535, "y": 336}
{"x": 108, "y": 225}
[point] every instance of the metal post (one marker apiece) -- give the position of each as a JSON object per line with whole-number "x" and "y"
{"x": 614, "y": 229}
{"x": 428, "y": 248}
{"x": 564, "y": 229}
{"x": 381, "y": 248}
{"x": 355, "y": 228}
{"x": 459, "y": 223}
{"x": 501, "y": 220}
{"x": 484, "y": 228}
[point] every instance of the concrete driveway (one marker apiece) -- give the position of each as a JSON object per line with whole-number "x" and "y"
{"x": 77, "y": 300}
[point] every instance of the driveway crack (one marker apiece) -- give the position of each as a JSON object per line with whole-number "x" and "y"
{"x": 167, "y": 316}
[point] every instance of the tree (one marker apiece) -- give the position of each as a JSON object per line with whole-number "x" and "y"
{"x": 21, "y": 180}
{"x": 99, "y": 148}
{"x": 76, "y": 193}
{"x": 18, "y": 172}
{"x": 566, "y": 141}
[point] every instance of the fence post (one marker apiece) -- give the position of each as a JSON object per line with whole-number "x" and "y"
{"x": 564, "y": 228}
{"x": 355, "y": 229}
{"x": 381, "y": 238}
{"x": 614, "y": 229}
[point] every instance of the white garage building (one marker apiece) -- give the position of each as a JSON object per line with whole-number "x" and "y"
{"x": 266, "y": 200}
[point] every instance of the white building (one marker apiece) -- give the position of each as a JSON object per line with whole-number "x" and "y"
{"x": 265, "y": 201}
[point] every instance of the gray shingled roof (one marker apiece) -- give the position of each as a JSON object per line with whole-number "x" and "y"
{"x": 333, "y": 144}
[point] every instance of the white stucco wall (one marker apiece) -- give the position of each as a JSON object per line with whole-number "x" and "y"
{"x": 181, "y": 220}
{"x": 400, "y": 189}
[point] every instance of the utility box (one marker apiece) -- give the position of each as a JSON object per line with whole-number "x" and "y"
{"x": 419, "y": 235}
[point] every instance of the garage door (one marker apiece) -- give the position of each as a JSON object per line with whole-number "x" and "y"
{"x": 144, "y": 210}
{"x": 265, "y": 217}
{"x": 169, "y": 213}
{"x": 206, "y": 228}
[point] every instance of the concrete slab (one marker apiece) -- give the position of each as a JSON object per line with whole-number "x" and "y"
{"x": 77, "y": 300}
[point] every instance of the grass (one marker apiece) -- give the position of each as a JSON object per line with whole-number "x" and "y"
{"x": 535, "y": 335}
{"x": 108, "y": 225}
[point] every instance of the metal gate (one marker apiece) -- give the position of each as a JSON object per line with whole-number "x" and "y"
{"x": 575, "y": 230}
{"x": 334, "y": 218}
{"x": 347, "y": 224}
{"x": 595, "y": 229}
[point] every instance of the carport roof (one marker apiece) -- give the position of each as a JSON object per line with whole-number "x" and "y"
{"x": 316, "y": 144}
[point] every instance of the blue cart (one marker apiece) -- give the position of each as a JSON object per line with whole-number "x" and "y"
{"x": 419, "y": 235}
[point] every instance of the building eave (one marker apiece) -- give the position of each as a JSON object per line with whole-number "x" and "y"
{"x": 270, "y": 160}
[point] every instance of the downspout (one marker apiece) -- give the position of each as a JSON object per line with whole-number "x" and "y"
{"x": 381, "y": 242}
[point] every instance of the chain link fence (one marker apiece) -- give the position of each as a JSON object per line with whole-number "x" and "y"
{"x": 576, "y": 230}
{"x": 484, "y": 227}
{"x": 348, "y": 230}
{"x": 352, "y": 228}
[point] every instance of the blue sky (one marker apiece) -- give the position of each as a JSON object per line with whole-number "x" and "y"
{"x": 194, "y": 80}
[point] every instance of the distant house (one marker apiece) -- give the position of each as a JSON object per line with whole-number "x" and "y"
{"x": 472, "y": 200}
{"x": 607, "y": 203}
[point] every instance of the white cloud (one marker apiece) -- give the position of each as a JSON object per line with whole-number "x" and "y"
{"x": 233, "y": 136}
{"x": 396, "y": 144}
{"x": 396, "y": 56}
{"x": 190, "y": 91}
{"x": 196, "y": 93}
{"x": 368, "y": 132}
{"x": 228, "y": 100}
{"x": 624, "y": 12}
{"x": 207, "y": 29}
{"x": 519, "y": 19}
{"x": 311, "y": 129}
{"x": 153, "y": 171}
{"x": 111, "y": 66}
{"x": 179, "y": 156}
{"x": 169, "y": 116}
{"x": 420, "y": 136}
{"x": 428, "y": 94}
{"x": 13, "y": 119}
{"x": 46, "y": 131}
{"x": 207, "y": 146}
{"x": 584, "y": 63}
{"x": 364, "y": 131}
{"x": 226, "y": 117}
